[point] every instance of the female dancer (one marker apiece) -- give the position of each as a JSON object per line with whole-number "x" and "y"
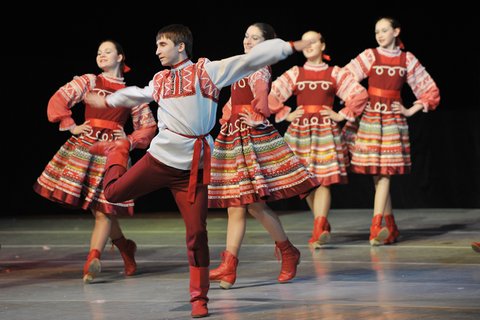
{"x": 313, "y": 133}
{"x": 379, "y": 143}
{"x": 74, "y": 176}
{"x": 251, "y": 164}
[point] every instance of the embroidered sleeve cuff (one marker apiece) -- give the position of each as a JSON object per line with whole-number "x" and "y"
{"x": 258, "y": 117}
{"x": 424, "y": 104}
{"x": 66, "y": 124}
{"x": 348, "y": 114}
{"x": 282, "y": 114}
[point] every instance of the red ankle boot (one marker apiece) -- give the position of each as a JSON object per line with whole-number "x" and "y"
{"x": 392, "y": 228}
{"x": 476, "y": 246}
{"x": 92, "y": 267}
{"x": 378, "y": 234}
{"x": 127, "y": 249}
{"x": 117, "y": 152}
{"x": 290, "y": 260}
{"x": 320, "y": 233}
{"x": 199, "y": 285}
{"x": 226, "y": 271}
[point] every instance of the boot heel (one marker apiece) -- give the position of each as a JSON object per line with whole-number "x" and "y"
{"x": 378, "y": 234}
{"x": 324, "y": 237}
{"x": 225, "y": 285}
{"x": 476, "y": 246}
{"x": 315, "y": 245}
{"x": 380, "y": 238}
{"x": 94, "y": 268}
{"x": 226, "y": 272}
{"x": 320, "y": 233}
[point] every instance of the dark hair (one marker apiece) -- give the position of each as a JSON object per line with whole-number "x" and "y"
{"x": 120, "y": 51}
{"x": 178, "y": 33}
{"x": 394, "y": 22}
{"x": 322, "y": 38}
{"x": 267, "y": 30}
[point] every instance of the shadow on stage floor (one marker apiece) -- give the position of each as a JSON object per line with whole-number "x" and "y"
{"x": 431, "y": 273}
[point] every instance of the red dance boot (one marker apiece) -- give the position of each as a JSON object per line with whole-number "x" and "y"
{"x": 199, "y": 285}
{"x": 127, "y": 249}
{"x": 320, "y": 233}
{"x": 476, "y": 246}
{"x": 378, "y": 234}
{"x": 392, "y": 228}
{"x": 117, "y": 152}
{"x": 92, "y": 267}
{"x": 290, "y": 260}
{"x": 226, "y": 271}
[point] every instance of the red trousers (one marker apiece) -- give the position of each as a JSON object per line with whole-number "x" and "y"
{"x": 149, "y": 174}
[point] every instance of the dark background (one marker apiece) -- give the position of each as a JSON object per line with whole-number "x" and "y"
{"x": 45, "y": 51}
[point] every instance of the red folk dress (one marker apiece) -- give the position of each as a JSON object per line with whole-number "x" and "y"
{"x": 253, "y": 164}
{"x": 379, "y": 142}
{"x": 74, "y": 176}
{"x": 315, "y": 139}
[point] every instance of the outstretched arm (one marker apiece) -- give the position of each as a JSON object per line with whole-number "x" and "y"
{"x": 128, "y": 97}
{"x": 226, "y": 71}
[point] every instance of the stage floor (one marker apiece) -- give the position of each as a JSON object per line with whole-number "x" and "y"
{"x": 431, "y": 273}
